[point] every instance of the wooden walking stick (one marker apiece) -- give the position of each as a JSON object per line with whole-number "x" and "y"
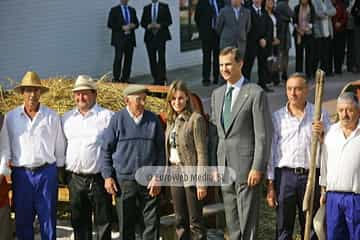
{"x": 308, "y": 203}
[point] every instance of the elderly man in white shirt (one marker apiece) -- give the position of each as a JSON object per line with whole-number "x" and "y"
{"x": 5, "y": 224}
{"x": 37, "y": 147}
{"x": 340, "y": 172}
{"x": 288, "y": 166}
{"x": 83, "y": 128}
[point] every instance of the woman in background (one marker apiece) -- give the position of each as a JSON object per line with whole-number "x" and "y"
{"x": 304, "y": 40}
{"x": 186, "y": 145}
{"x": 273, "y": 38}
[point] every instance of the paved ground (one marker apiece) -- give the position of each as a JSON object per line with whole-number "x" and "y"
{"x": 192, "y": 76}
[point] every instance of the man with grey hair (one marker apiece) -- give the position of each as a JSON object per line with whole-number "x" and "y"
{"x": 134, "y": 139}
{"x": 83, "y": 128}
{"x": 340, "y": 171}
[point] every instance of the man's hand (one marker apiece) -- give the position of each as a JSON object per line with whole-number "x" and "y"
{"x": 276, "y": 42}
{"x": 110, "y": 186}
{"x": 318, "y": 129}
{"x": 262, "y": 42}
{"x": 131, "y": 25}
{"x": 201, "y": 193}
{"x": 126, "y": 28}
{"x": 271, "y": 195}
{"x": 254, "y": 178}
{"x": 150, "y": 26}
{"x": 154, "y": 187}
{"x": 322, "y": 199}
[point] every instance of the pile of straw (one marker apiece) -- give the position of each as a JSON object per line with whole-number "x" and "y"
{"x": 60, "y": 98}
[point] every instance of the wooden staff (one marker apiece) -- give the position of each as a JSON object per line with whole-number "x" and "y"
{"x": 308, "y": 203}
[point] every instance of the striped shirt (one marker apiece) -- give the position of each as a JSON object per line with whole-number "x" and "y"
{"x": 292, "y": 139}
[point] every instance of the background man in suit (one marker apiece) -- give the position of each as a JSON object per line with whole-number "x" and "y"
{"x": 123, "y": 22}
{"x": 240, "y": 130}
{"x": 205, "y": 18}
{"x": 156, "y": 19}
{"x": 233, "y": 26}
{"x": 256, "y": 44}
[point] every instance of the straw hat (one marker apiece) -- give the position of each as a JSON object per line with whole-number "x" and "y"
{"x": 31, "y": 79}
{"x": 84, "y": 82}
{"x": 135, "y": 89}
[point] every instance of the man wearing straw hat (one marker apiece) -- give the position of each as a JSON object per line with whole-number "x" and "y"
{"x": 83, "y": 129}
{"x": 288, "y": 166}
{"x": 134, "y": 139}
{"x": 37, "y": 147}
{"x": 340, "y": 171}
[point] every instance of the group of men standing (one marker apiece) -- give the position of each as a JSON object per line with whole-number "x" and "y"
{"x": 239, "y": 24}
{"x": 41, "y": 149}
{"x": 102, "y": 151}
{"x": 123, "y": 22}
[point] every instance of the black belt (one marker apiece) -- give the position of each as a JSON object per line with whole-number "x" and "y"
{"x": 297, "y": 171}
{"x": 34, "y": 169}
{"x": 86, "y": 175}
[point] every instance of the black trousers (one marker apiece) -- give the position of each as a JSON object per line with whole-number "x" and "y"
{"x": 125, "y": 51}
{"x": 322, "y": 56}
{"x": 338, "y": 51}
{"x": 87, "y": 195}
{"x": 306, "y": 47}
{"x": 290, "y": 189}
{"x": 210, "y": 49}
{"x": 135, "y": 207}
{"x": 260, "y": 53}
{"x": 188, "y": 212}
{"x": 156, "y": 52}
{"x": 350, "y": 54}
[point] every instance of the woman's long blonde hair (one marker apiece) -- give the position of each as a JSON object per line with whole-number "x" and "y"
{"x": 177, "y": 85}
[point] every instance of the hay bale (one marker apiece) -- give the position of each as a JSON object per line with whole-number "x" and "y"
{"x": 60, "y": 98}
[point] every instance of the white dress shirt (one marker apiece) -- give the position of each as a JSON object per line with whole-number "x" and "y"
{"x": 340, "y": 164}
{"x": 4, "y": 151}
{"x": 37, "y": 141}
{"x": 291, "y": 140}
{"x": 154, "y": 12}
{"x": 84, "y": 135}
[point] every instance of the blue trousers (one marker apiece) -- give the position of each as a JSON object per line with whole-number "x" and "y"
{"x": 35, "y": 193}
{"x": 343, "y": 216}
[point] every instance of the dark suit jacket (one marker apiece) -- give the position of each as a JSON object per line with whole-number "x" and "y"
{"x": 246, "y": 144}
{"x": 115, "y": 23}
{"x": 259, "y": 27}
{"x": 164, "y": 19}
{"x": 204, "y": 15}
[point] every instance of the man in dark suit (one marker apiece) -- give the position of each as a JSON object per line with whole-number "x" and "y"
{"x": 256, "y": 44}
{"x": 240, "y": 139}
{"x": 205, "y": 18}
{"x": 123, "y": 22}
{"x": 156, "y": 19}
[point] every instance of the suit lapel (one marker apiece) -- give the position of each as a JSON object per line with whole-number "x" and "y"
{"x": 239, "y": 103}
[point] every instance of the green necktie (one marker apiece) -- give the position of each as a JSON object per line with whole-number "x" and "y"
{"x": 227, "y": 108}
